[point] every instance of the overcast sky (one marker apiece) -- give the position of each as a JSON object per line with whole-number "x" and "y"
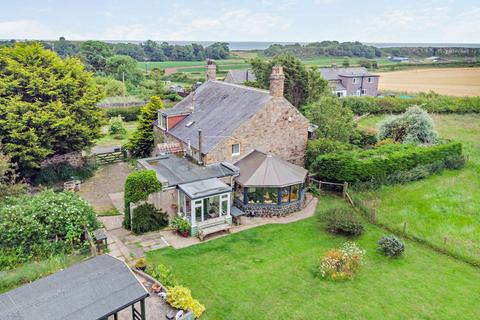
{"x": 262, "y": 20}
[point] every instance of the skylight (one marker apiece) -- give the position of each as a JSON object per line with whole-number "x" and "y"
{"x": 189, "y": 124}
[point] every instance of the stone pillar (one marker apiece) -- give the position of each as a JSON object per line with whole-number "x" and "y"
{"x": 211, "y": 72}
{"x": 277, "y": 79}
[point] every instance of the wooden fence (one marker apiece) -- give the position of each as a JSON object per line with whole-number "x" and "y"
{"x": 333, "y": 187}
{"x": 110, "y": 157}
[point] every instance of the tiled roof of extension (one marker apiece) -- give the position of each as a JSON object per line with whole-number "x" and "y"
{"x": 219, "y": 108}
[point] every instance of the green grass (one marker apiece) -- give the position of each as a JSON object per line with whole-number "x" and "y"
{"x": 109, "y": 212}
{"x": 32, "y": 271}
{"x": 271, "y": 272}
{"x": 444, "y": 209}
{"x": 107, "y": 140}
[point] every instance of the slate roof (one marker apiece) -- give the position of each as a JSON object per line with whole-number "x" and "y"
{"x": 204, "y": 188}
{"x": 259, "y": 169}
{"x": 172, "y": 170}
{"x": 335, "y": 73}
{"x": 240, "y": 76}
{"x": 92, "y": 289}
{"x": 219, "y": 108}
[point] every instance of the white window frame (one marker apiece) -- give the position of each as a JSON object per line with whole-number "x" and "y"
{"x": 160, "y": 121}
{"x": 363, "y": 92}
{"x": 370, "y": 80}
{"x": 355, "y": 80}
{"x": 236, "y": 153}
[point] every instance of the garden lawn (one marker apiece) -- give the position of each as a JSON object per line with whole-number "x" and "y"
{"x": 444, "y": 209}
{"x": 271, "y": 272}
{"x": 108, "y": 140}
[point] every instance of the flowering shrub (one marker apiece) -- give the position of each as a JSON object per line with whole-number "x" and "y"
{"x": 341, "y": 264}
{"x": 391, "y": 246}
{"x": 181, "y": 298}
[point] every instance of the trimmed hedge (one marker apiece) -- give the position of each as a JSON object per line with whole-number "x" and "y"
{"x": 127, "y": 113}
{"x": 148, "y": 218}
{"x": 138, "y": 186}
{"x": 377, "y": 165}
{"x": 432, "y": 103}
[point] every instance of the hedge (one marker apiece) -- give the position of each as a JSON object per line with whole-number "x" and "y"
{"x": 432, "y": 103}
{"x": 148, "y": 218}
{"x": 127, "y": 113}
{"x": 377, "y": 165}
{"x": 138, "y": 186}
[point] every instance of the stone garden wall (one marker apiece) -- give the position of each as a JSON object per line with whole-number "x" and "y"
{"x": 261, "y": 210}
{"x": 75, "y": 159}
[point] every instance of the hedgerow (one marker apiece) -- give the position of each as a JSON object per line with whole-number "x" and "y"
{"x": 138, "y": 186}
{"x": 391, "y": 161}
{"x": 127, "y": 113}
{"x": 148, "y": 218}
{"x": 432, "y": 103}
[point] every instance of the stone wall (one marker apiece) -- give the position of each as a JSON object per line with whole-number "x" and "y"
{"x": 75, "y": 159}
{"x": 262, "y": 210}
{"x": 279, "y": 129}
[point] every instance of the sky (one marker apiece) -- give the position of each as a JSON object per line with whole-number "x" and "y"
{"x": 408, "y": 21}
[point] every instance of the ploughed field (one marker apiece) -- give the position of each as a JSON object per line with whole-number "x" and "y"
{"x": 443, "y": 209}
{"x": 271, "y": 272}
{"x": 448, "y": 81}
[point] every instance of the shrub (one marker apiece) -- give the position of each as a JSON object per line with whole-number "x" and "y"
{"x": 138, "y": 186}
{"x": 363, "y": 138}
{"x": 342, "y": 264}
{"x": 62, "y": 172}
{"x": 127, "y": 113}
{"x": 181, "y": 298}
{"x": 180, "y": 224}
{"x": 141, "y": 263}
{"x": 163, "y": 274}
{"x": 385, "y": 141}
{"x": 116, "y": 126}
{"x": 376, "y": 165}
{"x": 391, "y": 246}
{"x": 324, "y": 146}
{"x": 148, "y": 218}
{"x": 313, "y": 189}
{"x": 414, "y": 126}
{"x": 343, "y": 221}
{"x": 42, "y": 225}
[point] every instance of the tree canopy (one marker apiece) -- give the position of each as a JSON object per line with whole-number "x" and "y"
{"x": 302, "y": 85}
{"x": 48, "y": 105}
{"x": 95, "y": 54}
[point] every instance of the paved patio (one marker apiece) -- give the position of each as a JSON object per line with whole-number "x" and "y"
{"x": 127, "y": 246}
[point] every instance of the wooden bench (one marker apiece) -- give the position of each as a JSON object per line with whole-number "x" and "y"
{"x": 211, "y": 228}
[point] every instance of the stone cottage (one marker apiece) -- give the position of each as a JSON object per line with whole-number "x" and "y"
{"x": 351, "y": 81}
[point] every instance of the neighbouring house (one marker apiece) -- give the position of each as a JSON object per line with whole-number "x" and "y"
{"x": 221, "y": 138}
{"x": 98, "y": 288}
{"x": 240, "y": 76}
{"x": 355, "y": 81}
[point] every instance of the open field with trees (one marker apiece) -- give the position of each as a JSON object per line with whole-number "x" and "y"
{"x": 448, "y": 81}
{"x": 273, "y": 272}
{"x": 444, "y": 209}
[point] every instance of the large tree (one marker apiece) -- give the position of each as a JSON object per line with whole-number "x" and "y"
{"x": 302, "y": 85}
{"x": 94, "y": 55}
{"x": 48, "y": 105}
{"x": 124, "y": 68}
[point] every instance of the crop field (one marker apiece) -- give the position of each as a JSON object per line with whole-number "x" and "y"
{"x": 449, "y": 81}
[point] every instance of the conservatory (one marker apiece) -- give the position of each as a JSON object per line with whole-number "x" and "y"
{"x": 268, "y": 185}
{"x": 204, "y": 202}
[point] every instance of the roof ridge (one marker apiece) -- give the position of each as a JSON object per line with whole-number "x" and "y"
{"x": 240, "y": 86}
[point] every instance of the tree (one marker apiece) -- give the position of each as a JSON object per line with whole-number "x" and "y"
{"x": 124, "y": 67}
{"x": 130, "y": 49}
{"x": 95, "y": 54}
{"x": 413, "y": 126}
{"x": 334, "y": 120}
{"x": 301, "y": 85}
{"x": 346, "y": 63}
{"x": 141, "y": 142}
{"x": 48, "y": 105}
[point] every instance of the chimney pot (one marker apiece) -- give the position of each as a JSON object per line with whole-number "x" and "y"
{"x": 277, "y": 81}
{"x": 211, "y": 73}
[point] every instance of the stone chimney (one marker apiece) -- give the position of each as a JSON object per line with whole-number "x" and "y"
{"x": 211, "y": 73}
{"x": 277, "y": 79}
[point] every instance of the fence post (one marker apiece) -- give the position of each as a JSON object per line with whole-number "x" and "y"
{"x": 405, "y": 228}
{"x": 344, "y": 191}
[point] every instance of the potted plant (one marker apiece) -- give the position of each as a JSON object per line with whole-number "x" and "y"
{"x": 141, "y": 264}
{"x": 182, "y": 226}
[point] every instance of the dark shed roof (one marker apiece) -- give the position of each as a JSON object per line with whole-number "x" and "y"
{"x": 219, "y": 109}
{"x": 92, "y": 289}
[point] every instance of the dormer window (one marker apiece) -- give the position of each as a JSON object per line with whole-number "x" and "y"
{"x": 163, "y": 121}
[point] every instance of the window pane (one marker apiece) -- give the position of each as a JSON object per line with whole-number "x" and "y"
{"x": 285, "y": 195}
{"x": 224, "y": 207}
{"x": 255, "y": 195}
{"x": 181, "y": 200}
{"x": 188, "y": 205}
{"x": 198, "y": 214}
{"x": 270, "y": 195}
{"x": 212, "y": 207}
{"x": 295, "y": 192}
{"x": 236, "y": 148}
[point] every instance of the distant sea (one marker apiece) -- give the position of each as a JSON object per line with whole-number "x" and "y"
{"x": 262, "y": 45}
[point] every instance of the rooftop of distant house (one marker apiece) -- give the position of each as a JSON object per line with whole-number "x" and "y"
{"x": 240, "y": 76}
{"x": 334, "y": 73}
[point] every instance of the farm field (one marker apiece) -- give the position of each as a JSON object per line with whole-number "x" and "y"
{"x": 448, "y": 81}
{"x": 444, "y": 209}
{"x": 271, "y": 272}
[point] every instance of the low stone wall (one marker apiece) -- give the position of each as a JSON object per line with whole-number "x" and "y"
{"x": 75, "y": 159}
{"x": 262, "y": 210}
